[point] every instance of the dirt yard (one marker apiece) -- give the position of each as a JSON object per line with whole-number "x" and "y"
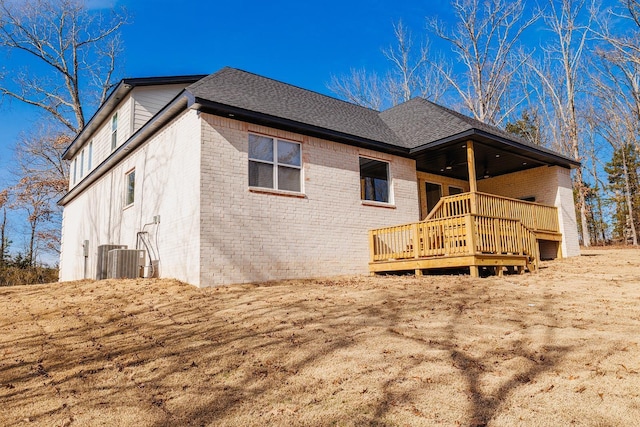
{"x": 558, "y": 347}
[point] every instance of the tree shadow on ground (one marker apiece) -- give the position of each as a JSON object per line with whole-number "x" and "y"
{"x": 258, "y": 354}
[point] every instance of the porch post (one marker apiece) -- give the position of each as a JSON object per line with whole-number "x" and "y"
{"x": 471, "y": 165}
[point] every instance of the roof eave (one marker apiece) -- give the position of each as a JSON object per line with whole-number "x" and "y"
{"x": 254, "y": 117}
{"x": 121, "y": 90}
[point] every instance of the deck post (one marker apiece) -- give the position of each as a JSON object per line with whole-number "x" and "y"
{"x": 416, "y": 240}
{"x": 473, "y": 185}
{"x": 473, "y": 271}
{"x": 372, "y": 248}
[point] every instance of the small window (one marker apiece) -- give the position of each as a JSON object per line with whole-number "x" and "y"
{"x": 81, "y": 163}
{"x": 374, "y": 180}
{"x": 455, "y": 190}
{"x": 274, "y": 163}
{"x": 130, "y": 182}
{"x": 75, "y": 170}
{"x": 114, "y": 131}
{"x": 89, "y": 156}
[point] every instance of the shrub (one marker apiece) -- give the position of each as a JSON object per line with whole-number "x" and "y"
{"x": 12, "y": 276}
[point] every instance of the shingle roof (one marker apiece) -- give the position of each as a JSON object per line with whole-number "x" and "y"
{"x": 411, "y": 125}
{"x": 255, "y": 93}
{"x": 418, "y": 122}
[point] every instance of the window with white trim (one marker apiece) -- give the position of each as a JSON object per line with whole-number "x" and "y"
{"x": 75, "y": 170}
{"x": 89, "y": 156}
{"x": 275, "y": 163}
{"x": 374, "y": 180}
{"x": 130, "y": 187}
{"x": 82, "y": 163}
{"x": 114, "y": 131}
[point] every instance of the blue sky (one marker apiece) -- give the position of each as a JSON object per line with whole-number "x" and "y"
{"x": 299, "y": 42}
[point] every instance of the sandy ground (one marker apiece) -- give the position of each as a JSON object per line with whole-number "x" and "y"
{"x": 558, "y": 347}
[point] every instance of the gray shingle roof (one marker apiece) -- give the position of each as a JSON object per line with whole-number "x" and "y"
{"x": 418, "y": 122}
{"x": 407, "y": 126}
{"x": 255, "y": 93}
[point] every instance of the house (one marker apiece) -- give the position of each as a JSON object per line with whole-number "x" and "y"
{"x": 234, "y": 177}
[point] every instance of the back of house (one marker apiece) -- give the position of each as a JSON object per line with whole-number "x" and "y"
{"x": 234, "y": 177}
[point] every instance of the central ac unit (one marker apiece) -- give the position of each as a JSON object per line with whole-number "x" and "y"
{"x": 125, "y": 263}
{"x": 103, "y": 252}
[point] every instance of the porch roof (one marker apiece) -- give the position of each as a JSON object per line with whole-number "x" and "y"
{"x": 437, "y": 136}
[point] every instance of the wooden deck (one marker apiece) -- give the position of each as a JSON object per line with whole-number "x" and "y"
{"x": 469, "y": 230}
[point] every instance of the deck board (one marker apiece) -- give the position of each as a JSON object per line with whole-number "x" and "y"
{"x": 454, "y": 261}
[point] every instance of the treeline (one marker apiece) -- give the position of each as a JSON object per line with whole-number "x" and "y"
{"x": 17, "y": 270}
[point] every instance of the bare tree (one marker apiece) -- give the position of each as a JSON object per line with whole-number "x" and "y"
{"x": 409, "y": 75}
{"x": 31, "y": 198}
{"x": 622, "y": 50}
{"x": 4, "y": 241}
{"x": 43, "y": 177}
{"x": 74, "y": 48}
{"x": 616, "y": 81}
{"x": 66, "y": 56}
{"x": 359, "y": 87}
{"x": 485, "y": 41}
{"x": 561, "y": 73}
{"x": 38, "y": 156}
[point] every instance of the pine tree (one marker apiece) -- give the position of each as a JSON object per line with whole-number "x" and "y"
{"x": 615, "y": 170}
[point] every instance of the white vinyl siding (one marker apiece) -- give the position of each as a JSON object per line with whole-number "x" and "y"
{"x": 133, "y": 112}
{"x": 149, "y": 100}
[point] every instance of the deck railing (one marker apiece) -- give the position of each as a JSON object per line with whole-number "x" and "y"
{"x": 458, "y": 235}
{"x": 534, "y": 216}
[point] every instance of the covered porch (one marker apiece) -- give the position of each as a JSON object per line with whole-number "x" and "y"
{"x": 462, "y": 227}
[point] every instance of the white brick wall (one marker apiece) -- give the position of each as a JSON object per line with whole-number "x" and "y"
{"x": 167, "y": 184}
{"x": 252, "y": 236}
{"x": 550, "y": 186}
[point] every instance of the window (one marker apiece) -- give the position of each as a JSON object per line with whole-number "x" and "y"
{"x": 75, "y": 170}
{"x": 89, "y": 156}
{"x": 130, "y": 183}
{"x": 455, "y": 190}
{"x": 274, "y": 163}
{"x": 374, "y": 180}
{"x": 114, "y": 131}
{"x": 82, "y": 163}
